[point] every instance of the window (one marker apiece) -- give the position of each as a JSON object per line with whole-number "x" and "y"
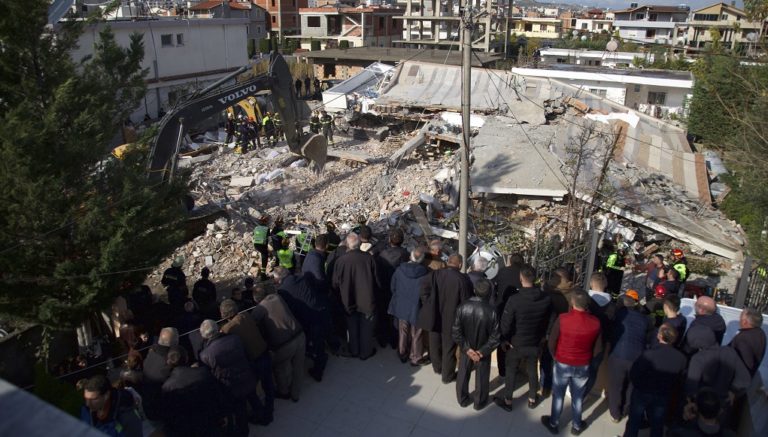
{"x": 652, "y": 17}
{"x": 584, "y": 26}
{"x": 562, "y": 60}
{"x": 166, "y": 40}
{"x": 274, "y": 20}
{"x": 179, "y": 39}
{"x": 594, "y": 62}
{"x": 273, "y": 3}
{"x": 724, "y": 17}
{"x": 528, "y": 27}
{"x": 705, "y": 17}
{"x": 598, "y": 92}
{"x": 382, "y": 25}
{"x": 639, "y": 16}
{"x": 313, "y": 21}
{"x": 650, "y": 33}
{"x": 656, "y": 98}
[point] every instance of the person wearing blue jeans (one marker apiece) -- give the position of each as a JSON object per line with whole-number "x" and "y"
{"x": 574, "y": 378}
{"x": 575, "y": 338}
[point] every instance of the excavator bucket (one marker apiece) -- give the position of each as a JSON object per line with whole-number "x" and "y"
{"x": 315, "y": 148}
{"x": 311, "y": 146}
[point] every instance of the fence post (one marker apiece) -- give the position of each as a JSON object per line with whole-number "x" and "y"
{"x": 592, "y": 255}
{"x": 741, "y": 288}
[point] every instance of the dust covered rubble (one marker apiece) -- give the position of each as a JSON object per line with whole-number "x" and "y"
{"x": 275, "y": 182}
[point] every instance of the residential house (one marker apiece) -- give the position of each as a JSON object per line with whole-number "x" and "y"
{"x": 594, "y": 25}
{"x": 180, "y": 55}
{"x": 730, "y": 21}
{"x": 537, "y": 27}
{"x": 650, "y": 24}
{"x": 283, "y": 16}
{"x": 592, "y": 58}
{"x": 659, "y": 93}
{"x": 341, "y": 64}
{"x": 257, "y": 27}
{"x": 373, "y": 26}
{"x": 437, "y": 23}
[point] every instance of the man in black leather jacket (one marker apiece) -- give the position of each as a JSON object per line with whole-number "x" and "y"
{"x": 476, "y": 332}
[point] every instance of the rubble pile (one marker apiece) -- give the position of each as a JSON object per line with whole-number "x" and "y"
{"x": 275, "y": 182}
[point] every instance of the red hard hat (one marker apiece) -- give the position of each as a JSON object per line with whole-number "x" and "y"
{"x": 677, "y": 252}
{"x": 660, "y": 292}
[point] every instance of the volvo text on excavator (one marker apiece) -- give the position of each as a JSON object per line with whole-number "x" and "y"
{"x": 213, "y": 100}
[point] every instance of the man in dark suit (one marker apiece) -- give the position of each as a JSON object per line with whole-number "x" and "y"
{"x": 355, "y": 278}
{"x": 442, "y": 293}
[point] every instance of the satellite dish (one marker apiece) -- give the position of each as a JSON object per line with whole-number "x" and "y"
{"x": 612, "y": 46}
{"x": 751, "y": 37}
{"x": 575, "y": 33}
{"x": 584, "y": 37}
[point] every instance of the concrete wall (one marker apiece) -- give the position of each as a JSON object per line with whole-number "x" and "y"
{"x": 314, "y": 31}
{"x": 638, "y": 94}
{"x": 209, "y": 49}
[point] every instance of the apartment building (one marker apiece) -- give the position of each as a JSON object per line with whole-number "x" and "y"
{"x": 373, "y": 26}
{"x": 651, "y": 24}
{"x": 735, "y": 28}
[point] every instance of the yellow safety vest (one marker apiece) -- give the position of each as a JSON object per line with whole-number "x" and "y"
{"x": 260, "y": 234}
{"x": 285, "y": 256}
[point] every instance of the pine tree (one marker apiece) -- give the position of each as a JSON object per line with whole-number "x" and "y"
{"x": 76, "y": 227}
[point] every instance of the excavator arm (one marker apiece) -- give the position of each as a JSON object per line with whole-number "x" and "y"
{"x": 174, "y": 125}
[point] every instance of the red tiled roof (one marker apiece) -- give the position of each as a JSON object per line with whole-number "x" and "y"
{"x": 206, "y": 6}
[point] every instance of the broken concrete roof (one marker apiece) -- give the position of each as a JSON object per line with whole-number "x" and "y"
{"x": 503, "y": 164}
{"x": 649, "y": 143}
{"x": 438, "y": 87}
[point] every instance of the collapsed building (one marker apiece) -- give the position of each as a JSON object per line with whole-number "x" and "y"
{"x": 543, "y": 152}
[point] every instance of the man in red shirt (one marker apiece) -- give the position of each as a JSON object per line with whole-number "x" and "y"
{"x": 574, "y": 339}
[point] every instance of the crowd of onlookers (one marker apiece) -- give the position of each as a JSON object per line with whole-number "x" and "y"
{"x": 195, "y": 364}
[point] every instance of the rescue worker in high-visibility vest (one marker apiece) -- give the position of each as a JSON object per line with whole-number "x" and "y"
{"x": 303, "y": 246}
{"x": 314, "y": 123}
{"x": 260, "y": 242}
{"x": 285, "y": 255}
{"x": 278, "y": 126}
{"x": 680, "y": 264}
{"x": 269, "y": 129}
{"x": 333, "y": 238}
{"x": 243, "y": 136}
{"x": 254, "y": 128}
{"x": 276, "y": 236}
{"x": 613, "y": 268}
{"x": 327, "y": 122}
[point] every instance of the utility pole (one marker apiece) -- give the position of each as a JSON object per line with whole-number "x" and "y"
{"x": 506, "y": 27}
{"x": 466, "y": 83}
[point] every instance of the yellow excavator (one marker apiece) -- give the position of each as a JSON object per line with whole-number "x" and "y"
{"x": 249, "y": 108}
{"x": 215, "y": 99}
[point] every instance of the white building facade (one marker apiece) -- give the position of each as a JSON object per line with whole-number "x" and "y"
{"x": 659, "y": 93}
{"x": 180, "y": 55}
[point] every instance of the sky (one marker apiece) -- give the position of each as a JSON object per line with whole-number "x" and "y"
{"x": 622, "y": 4}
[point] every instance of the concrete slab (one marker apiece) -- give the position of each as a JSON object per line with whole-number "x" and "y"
{"x": 507, "y": 163}
{"x": 438, "y": 87}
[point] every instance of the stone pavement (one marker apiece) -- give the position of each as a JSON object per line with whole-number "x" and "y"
{"x": 382, "y": 397}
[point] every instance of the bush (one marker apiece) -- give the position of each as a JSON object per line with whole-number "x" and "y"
{"x": 264, "y": 45}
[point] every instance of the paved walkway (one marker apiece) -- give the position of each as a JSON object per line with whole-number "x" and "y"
{"x": 382, "y": 397}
